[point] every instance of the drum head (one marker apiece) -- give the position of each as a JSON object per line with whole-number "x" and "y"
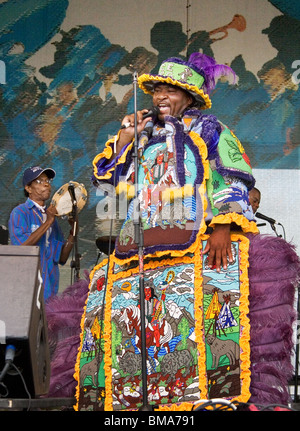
{"x": 62, "y": 199}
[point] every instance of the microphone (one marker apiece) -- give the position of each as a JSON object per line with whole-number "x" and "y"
{"x": 153, "y": 112}
{"x": 263, "y": 217}
{"x": 10, "y": 353}
{"x": 9, "y": 358}
{"x": 72, "y": 192}
{"x": 74, "y": 206}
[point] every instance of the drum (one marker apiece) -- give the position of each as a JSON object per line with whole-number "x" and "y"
{"x": 62, "y": 199}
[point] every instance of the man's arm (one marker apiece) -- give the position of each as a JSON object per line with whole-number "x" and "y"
{"x": 67, "y": 247}
{"x": 66, "y": 250}
{"x": 37, "y": 234}
{"x": 126, "y": 135}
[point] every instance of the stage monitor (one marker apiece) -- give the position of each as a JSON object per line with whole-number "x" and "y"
{"x": 23, "y": 321}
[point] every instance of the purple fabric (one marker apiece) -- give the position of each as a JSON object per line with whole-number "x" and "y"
{"x": 274, "y": 270}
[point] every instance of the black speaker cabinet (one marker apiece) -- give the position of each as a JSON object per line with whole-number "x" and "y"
{"x": 23, "y": 321}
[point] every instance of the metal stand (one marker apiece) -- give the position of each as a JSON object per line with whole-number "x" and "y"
{"x": 274, "y": 229}
{"x": 139, "y": 240}
{"x": 75, "y": 263}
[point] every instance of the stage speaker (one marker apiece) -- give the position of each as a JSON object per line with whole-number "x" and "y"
{"x": 3, "y": 235}
{"x": 23, "y": 322}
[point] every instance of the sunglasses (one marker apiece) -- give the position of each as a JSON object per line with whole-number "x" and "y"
{"x": 46, "y": 181}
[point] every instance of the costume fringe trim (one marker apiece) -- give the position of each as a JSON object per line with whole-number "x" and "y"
{"x": 107, "y": 154}
{"x": 244, "y": 319}
{"x": 108, "y": 403}
{"x": 246, "y": 225}
{"x": 77, "y": 364}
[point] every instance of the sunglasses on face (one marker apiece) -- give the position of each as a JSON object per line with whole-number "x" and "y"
{"x": 44, "y": 181}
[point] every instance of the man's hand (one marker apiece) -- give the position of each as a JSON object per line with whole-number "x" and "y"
{"x": 218, "y": 247}
{"x": 51, "y": 212}
{"x": 127, "y": 134}
{"x": 37, "y": 234}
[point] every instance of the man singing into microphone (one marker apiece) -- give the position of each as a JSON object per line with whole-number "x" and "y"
{"x": 31, "y": 223}
{"x": 193, "y": 178}
{"x": 183, "y": 138}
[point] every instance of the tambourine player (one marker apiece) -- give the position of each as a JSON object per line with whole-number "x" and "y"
{"x": 33, "y": 223}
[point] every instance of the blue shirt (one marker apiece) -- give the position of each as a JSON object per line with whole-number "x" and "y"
{"x": 23, "y": 221}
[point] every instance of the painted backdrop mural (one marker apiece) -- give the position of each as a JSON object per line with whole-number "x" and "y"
{"x": 66, "y": 82}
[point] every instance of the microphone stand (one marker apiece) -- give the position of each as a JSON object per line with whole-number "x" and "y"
{"x": 139, "y": 240}
{"x": 274, "y": 229}
{"x": 75, "y": 263}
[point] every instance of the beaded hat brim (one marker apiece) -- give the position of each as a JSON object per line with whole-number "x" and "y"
{"x": 169, "y": 73}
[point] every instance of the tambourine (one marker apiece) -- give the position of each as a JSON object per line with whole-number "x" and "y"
{"x": 63, "y": 201}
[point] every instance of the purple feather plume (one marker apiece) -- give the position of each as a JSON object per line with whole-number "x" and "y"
{"x": 64, "y": 313}
{"x": 274, "y": 270}
{"x": 207, "y": 67}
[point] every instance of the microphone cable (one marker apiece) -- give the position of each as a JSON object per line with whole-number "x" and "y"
{"x": 9, "y": 358}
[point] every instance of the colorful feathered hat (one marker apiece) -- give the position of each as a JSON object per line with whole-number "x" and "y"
{"x": 197, "y": 76}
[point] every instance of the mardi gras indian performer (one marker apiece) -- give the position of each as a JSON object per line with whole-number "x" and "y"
{"x": 193, "y": 182}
